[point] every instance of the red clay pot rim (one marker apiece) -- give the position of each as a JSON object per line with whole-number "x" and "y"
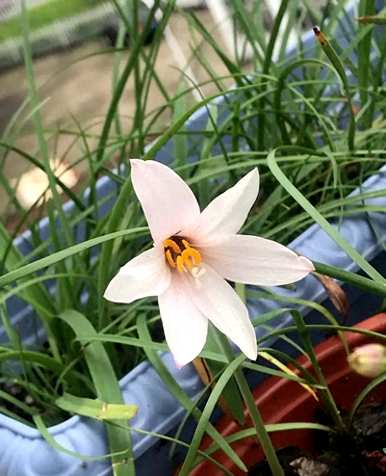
{"x": 334, "y": 369}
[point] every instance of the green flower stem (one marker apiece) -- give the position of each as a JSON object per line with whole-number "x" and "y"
{"x": 373, "y": 19}
{"x": 261, "y": 432}
{"x": 351, "y": 278}
{"x": 325, "y": 394}
{"x": 337, "y": 63}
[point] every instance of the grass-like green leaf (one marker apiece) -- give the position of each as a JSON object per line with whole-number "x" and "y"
{"x": 107, "y": 390}
{"x": 322, "y": 222}
{"x": 63, "y": 254}
{"x": 95, "y": 408}
{"x": 181, "y": 396}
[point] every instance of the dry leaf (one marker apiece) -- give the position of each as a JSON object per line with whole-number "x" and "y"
{"x": 207, "y": 378}
{"x": 336, "y": 294}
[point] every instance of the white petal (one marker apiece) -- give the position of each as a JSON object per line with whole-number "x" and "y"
{"x": 168, "y": 203}
{"x": 254, "y": 260}
{"x": 145, "y": 275}
{"x": 219, "y": 302}
{"x": 227, "y": 212}
{"x": 184, "y": 325}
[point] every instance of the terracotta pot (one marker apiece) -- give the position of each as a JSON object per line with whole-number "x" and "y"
{"x": 281, "y": 400}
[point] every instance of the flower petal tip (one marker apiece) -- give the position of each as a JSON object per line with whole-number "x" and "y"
{"x": 255, "y": 172}
{"x": 179, "y": 365}
{"x": 250, "y": 349}
{"x": 111, "y": 294}
{"x": 254, "y": 176}
{"x": 252, "y": 354}
{"x": 136, "y": 162}
{"x": 308, "y": 264}
{"x": 107, "y": 294}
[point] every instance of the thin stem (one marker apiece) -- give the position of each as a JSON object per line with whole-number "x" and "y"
{"x": 261, "y": 432}
{"x": 266, "y": 67}
{"x": 326, "y": 394}
{"x": 37, "y": 120}
{"x": 333, "y": 56}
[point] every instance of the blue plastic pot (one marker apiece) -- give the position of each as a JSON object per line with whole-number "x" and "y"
{"x": 24, "y": 452}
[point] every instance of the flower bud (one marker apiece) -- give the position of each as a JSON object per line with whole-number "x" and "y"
{"x": 368, "y": 360}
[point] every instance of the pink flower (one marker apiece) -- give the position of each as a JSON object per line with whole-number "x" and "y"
{"x": 194, "y": 253}
{"x": 368, "y": 360}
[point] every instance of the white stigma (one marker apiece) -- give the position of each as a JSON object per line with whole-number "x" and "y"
{"x": 197, "y": 272}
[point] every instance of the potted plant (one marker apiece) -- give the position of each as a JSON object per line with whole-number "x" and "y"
{"x": 294, "y": 415}
{"x": 82, "y": 454}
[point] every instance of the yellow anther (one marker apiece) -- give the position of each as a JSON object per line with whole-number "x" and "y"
{"x": 184, "y": 260}
{"x": 186, "y": 243}
{"x": 196, "y": 255}
{"x": 170, "y": 259}
{"x": 187, "y": 262}
{"x": 169, "y": 243}
{"x": 191, "y": 257}
{"x": 180, "y": 264}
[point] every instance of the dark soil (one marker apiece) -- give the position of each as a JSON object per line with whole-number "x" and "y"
{"x": 359, "y": 452}
{"x": 20, "y": 402}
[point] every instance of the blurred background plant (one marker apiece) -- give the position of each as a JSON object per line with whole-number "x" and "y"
{"x": 102, "y": 82}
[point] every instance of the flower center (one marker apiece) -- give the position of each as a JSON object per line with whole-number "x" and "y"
{"x": 179, "y": 254}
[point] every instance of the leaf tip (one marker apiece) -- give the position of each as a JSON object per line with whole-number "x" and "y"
{"x": 321, "y": 37}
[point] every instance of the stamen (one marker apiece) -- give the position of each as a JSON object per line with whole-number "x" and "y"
{"x": 169, "y": 243}
{"x": 170, "y": 259}
{"x": 183, "y": 259}
{"x": 180, "y": 264}
{"x": 191, "y": 257}
{"x": 186, "y": 243}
